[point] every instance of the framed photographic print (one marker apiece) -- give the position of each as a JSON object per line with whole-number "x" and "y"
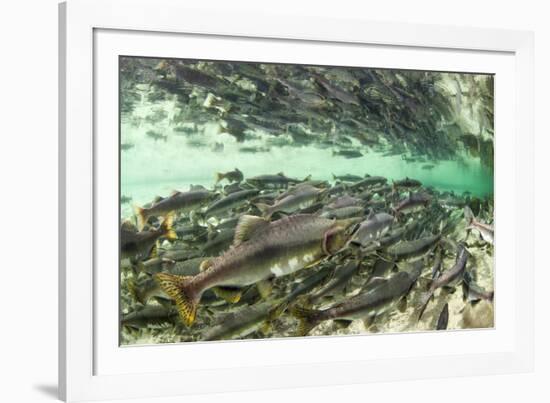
{"x": 344, "y": 201}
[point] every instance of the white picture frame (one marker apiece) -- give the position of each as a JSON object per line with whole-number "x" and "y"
{"x": 85, "y": 329}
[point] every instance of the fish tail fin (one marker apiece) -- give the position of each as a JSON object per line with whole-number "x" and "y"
{"x": 166, "y": 227}
{"x": 141, "y": 215}
{"x": 424, "y": 303}
{"x": 211, "y": 228}
{"x": 140, "y": 267}
{"x": 196, "y": 216}
{"x": 309, "y": 318}
{"x": 219, "y": 176}
{"x": 154, "y": 253}
{"x": 445, "y": 228}
{"x": 180, "y": 289}
{"x": 134, "y": 291}
{"x": 265, "y": 209}
{"x": 395, "y": 212}
{"x": 333, "y": 177}
{"x": 278, "y": 310}
{"x": 469, "y": 215}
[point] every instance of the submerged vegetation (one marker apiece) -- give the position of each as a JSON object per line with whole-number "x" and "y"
{"x": 311, "y": 200}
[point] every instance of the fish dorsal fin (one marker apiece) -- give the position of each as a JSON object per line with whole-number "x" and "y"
{"x": 281, "y": 174}
{"x": 174, "y": 192}
{"x": 402, "y": 304}
{"x": 468, "y": 214}
{"x": 158, "y": 199}
{"x": 248, "y": 224}
{"x": 196, "y": 187}
{"x": 128, "y": 226}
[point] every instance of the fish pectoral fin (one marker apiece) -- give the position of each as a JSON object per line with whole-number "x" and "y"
{"x": 346, "y": 289}
{"x": 266, "y": 327}
{"x": 342, "y": 323}
{"x": 369, "y": 320}
{"x": 308, "y": 319}
{"x": 154, "y": 251}
{"x": 472, "y": 298}
{"x": 425, "y": 300}
{"x": 424, "y": 283}
{"x": 133, "y": 289}
{"x": 281, "y": 214}
{"x": 212, "y": 235}
{"x": 264, "y": 208}
{"x": 228, "y": 294}
{"x": 449, "y": 289}
{"x": 264, "y": 288}
{"x": 384, "y": 257}
{"x": 246, "y": 227}
{"x": 402, "y": 304}
{"x": 277, "y": 311}
{"x": 465, "y": 291}
{"x": 166, "y": 303}
{"x": 195, "y": 216}
{"x": 314, "y": 263}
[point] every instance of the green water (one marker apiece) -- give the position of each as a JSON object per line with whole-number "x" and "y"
{"x": 156, "y": 167}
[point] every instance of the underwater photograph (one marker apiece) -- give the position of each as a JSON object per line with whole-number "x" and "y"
{"x": 262, "y": 200}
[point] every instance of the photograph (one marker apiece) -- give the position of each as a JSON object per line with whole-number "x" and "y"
{"x": 263, "y": 200}
{"x": 266, "y": 202}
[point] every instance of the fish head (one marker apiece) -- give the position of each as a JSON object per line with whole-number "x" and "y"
{"x": 413, "y": 269}
{"x": 253, "y": 182}
{"x": 337, "y": 237}
{"x": 213, "y": 196}
{"x": 385, "y": 218}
